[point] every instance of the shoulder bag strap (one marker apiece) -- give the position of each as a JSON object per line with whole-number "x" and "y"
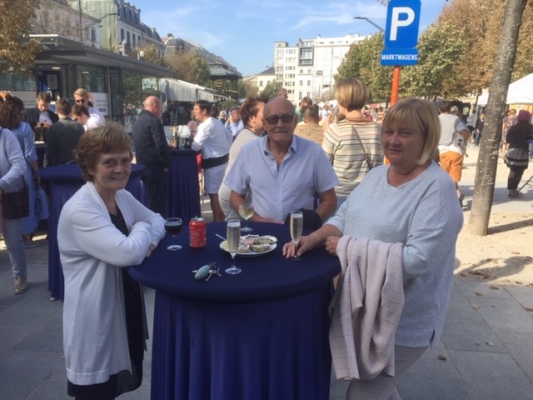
{"x": 367, "y": 157}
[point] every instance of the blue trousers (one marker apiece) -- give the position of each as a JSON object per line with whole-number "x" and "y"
{"x": 15, "y": 246}
{"x": 155, "y": 182}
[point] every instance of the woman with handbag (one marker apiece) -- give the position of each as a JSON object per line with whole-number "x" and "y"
{"x": 11, "y": 118}
{"x": 353, "y": 145}
{"x": 12, "y": 169}
{"x": 517, "y": 156}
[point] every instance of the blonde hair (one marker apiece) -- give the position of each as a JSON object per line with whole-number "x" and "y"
{"x": 352, "y": 94}
{"x": 420, "y": 115}
{"x": 82, "y": 93}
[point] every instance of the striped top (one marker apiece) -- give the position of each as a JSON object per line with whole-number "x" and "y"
{"x": 344, "y": 150}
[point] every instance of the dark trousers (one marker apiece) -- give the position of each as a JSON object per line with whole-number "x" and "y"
{"x": 155, "y": 182}
{"x": 515, "y": 175}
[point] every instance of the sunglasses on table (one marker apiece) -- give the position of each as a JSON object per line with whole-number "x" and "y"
{"x": 274, "y": 119}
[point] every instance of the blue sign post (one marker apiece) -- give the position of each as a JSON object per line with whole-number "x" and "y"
{"x": 401, "y": 37}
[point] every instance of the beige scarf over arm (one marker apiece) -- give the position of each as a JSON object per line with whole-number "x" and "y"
{"x": 366, "y": 308}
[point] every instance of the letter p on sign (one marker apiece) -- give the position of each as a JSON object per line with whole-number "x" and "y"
{"x": 397, "y": 21}
{"x": 403, "y": 20}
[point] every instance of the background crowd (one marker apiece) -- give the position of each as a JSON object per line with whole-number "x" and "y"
{"x": 377, "y": 188}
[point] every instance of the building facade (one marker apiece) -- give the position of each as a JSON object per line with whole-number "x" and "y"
{"x": 89, "y": 56}
{"x": 308, "y": 69}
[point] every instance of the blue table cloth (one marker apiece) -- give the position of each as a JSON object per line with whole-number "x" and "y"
{"x": 64, "y": 181}
{"x": 261, "y": 334}
{"x": 183, "y": 194}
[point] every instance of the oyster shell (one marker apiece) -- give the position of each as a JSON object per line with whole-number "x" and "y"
{"x": 243, "y": 248}
{"x": 267, "y": 239}
{"x": 260, "y": 248}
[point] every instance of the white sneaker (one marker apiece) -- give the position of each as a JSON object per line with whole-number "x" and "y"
{"x": 21, "y": 284}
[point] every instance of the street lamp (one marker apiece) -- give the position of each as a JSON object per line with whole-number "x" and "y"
{"x": 371, "y": 22}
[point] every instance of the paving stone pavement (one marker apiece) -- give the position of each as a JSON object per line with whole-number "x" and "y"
{"x": 486, "y": 352}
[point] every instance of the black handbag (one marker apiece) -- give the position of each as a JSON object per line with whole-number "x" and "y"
{"x": 16, "y": 205}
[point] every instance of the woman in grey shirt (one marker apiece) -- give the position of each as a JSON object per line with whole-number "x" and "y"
{"x": 412, "y": 201}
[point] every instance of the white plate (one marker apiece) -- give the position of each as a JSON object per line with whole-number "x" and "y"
{"x": 250, "y": 253}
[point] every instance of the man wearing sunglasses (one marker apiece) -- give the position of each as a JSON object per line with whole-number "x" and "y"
{"x": 283, "y": 171}
{"x": 81, "y": 97}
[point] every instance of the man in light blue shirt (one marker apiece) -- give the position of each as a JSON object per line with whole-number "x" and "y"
{"x": 282, "y": 171}
{"x": 234, "y": 122}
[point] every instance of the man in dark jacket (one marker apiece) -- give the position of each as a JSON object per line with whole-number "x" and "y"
{"x": 41, "y": 114}
{"x": 151, "y": 150}
{"x": 63, "y": 137}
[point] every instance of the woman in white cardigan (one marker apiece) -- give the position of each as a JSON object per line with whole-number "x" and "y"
{"x": 102, "y": 230}
{"x": 399, "y": 228}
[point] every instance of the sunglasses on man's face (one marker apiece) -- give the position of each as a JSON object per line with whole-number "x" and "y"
{"x": 274, "y": 119}
{"x": 80, "y": 101}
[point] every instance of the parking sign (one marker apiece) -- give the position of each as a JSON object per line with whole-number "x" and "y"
{"x": 401, "y": 33}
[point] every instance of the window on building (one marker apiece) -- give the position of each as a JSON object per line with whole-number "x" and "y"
{"x": 260, "y": 83}
{"x": 280, "y": 53}
{"x": 308, "y": 83}
{"x": 301, "y": 71}
{"x": 122, "y": 35}
{"x": 301, "y": 83}
{"x": 319, "y": 73}
{"x": 128, "y": 41}
{"x": 290, "y": 91}
{"x": 279, "y": 69}
{"x": 309, "y": 71}
{"x": 300, "y": 96}
{"x": 93, "y": 35}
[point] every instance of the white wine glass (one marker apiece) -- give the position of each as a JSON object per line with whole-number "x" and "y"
{"x": 297, "y": 223}
{"x": 173, "y": 227}
{"x": 233, "y": 237}
{"x": 246, "y": 211}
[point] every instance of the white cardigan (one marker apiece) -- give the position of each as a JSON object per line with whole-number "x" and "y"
{"x": 91, "y": 248}
{"x": 366, "y": 308}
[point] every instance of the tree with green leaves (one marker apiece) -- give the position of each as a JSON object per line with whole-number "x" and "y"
{"x": 190, "y": 67}
{"x": 363, "y": 61}
{"x": 149, "y": 54}
{"x": 17, "y": 50}
{"x": 440, "y": 49}
{"x": 271, "y": 89}
{"x": 246, "y": 89}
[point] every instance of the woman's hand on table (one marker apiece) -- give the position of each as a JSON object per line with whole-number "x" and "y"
{"x": 306, "y": 243}
{"x": 331, "y": 245}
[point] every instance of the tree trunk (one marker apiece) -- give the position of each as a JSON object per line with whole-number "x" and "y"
{"x": 487, "y": 162}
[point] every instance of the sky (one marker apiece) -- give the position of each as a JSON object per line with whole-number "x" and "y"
{"x": 243, "y": 32}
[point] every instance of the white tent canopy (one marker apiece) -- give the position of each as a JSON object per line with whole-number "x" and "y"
{"x": 520, "y": 92}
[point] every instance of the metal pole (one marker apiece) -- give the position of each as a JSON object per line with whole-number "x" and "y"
{"x": 395, "y": 85}
{"x": 371, "y": 22}
{"x": 81, "y": 20}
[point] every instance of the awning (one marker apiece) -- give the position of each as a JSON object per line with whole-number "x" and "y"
{"x": 177, "y": 90}
{"x": 93, "y": 56}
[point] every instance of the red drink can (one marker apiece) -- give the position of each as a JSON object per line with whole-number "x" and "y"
{"x": 197, "y": 233}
